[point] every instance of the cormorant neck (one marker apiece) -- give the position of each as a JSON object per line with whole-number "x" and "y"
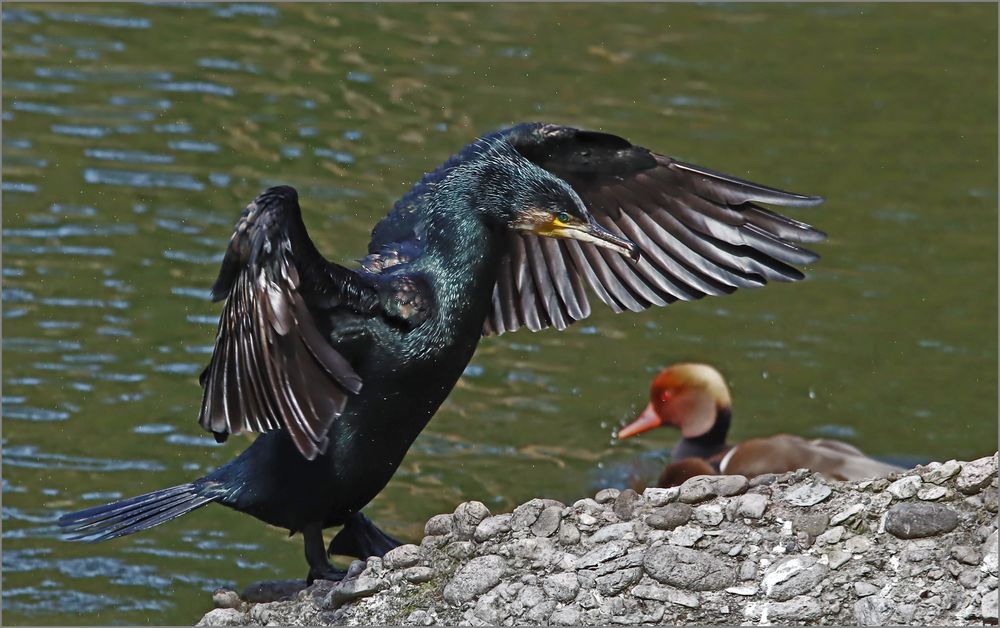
{"x": 708, "y": 444}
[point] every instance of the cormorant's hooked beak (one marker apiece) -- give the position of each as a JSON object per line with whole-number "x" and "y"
{"x": 589, "y": 232}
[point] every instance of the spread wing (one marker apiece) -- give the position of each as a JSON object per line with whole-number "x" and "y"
{"x": 272, "y": 368}
{"x": 700, "y": 233}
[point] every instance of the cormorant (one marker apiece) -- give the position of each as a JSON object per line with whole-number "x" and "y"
{"x": 340, "y": 369}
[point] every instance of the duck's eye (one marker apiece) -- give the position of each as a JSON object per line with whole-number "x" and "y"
{"x": 665, "y": 396}
{"x": 562, "y": 217}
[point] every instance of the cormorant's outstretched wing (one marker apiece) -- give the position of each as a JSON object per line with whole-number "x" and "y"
{"x": 699, "y": 231}
{"x": 272, "y": 367}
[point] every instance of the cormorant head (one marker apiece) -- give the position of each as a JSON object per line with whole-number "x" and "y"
{"x": 514, "y": 193}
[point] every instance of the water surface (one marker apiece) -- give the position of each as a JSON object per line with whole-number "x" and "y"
{"x": 134, "y": 134}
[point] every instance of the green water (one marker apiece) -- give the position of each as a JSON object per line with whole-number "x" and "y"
{"x": 133, "y": 135}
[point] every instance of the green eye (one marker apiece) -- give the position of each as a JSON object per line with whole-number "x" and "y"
{"x": 562, "y": 217}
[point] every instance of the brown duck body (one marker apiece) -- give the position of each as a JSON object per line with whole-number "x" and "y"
{"x": 695, "y": 399}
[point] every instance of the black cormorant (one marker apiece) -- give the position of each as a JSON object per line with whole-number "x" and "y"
{"x": 340, "y": 369}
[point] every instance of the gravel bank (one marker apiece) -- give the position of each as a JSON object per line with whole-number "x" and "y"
{"x": 918, "y": 548}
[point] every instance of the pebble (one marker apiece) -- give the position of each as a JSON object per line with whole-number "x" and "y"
{"x": 988, "y": 607}
{"x": 563, "y": 587}
{"x": 657, "y": 497}
{"x": 526, "y": 514}
{"x": 569, "y": 534}
{"x": 566, "y": 616}
{"x": 417, "y": 575}
{"x": 931, "y": 493}
{"x": 351, "y": 589}
{"x": 602, "y": 553}
{"x": 547, "y": 522}
{"x": 708, "y": 515}
{"x": 965, "y": 554}
{"x": 847, "y": 515}
{"x": 918, "y": 520}
{"x": 864, "y": 589}
{"x": 831, "y": 536}
{"x": 670, "y": 516}
{"x": 491, "y": 527}
{"x": 625, "y": 504}
{"x": 857, "y": 545}
{"x": 688, "y": 568}
{"x": 808, "y": 494}
{"x": 475, "y": 577}
{"x": 438, "y": 525}
{"x": 225, "y": 598}
{"x": 977, "y": 474}
{"x": 686, "y": 536}
{"x": 940, "y": 472}
{"x": 800, "y": 608}
{"x": 837, "y": 558}
{"x": 905, "y": 487}
{"x": 611, "y": 532}
{"x": 811, "y": 524}
{"x": 751, "y": 506}
{"x": 402, "y": 557}
{"x": 223, "y": 617}
{"x": 792, "y": 576}
{"x": 606, "y": 495}
{"x": 617, "y": 581}
{"x": 467, "y": 517}
{"x": 873, "y": 610}
{"x": 704, "y": 487}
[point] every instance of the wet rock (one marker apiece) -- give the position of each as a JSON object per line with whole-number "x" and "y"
{"x": 792, "y": 576}
{"x": 704, "y": 487}
{"x": 905, "y": 487}
{"x": 475, "y": 577}
{"x": 687, "y": 568}
{"x": 808, "y": 494}
{"x": 438, "y": 525}
{"x": 977, "y": 474}
{"x": 657, "y": 497}
{"x": 491, "y": 527}
{"x": 626, "y": 503}
{"x": 402, "y": 557}
{"x": 467, "y": 517}
{"x": 918, "y": 520}
{"x": 606, "y": 495}
{"x": 670, "y": 516}
{"x": 547, "y": 522}
{"x": 562, "y": 586}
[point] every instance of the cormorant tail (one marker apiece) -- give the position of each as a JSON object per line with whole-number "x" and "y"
{"x": 132, "y": 515}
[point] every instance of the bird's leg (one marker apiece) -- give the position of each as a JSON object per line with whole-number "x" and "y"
{"x": 361, "y": 538}
{"x": 319, "y": 567}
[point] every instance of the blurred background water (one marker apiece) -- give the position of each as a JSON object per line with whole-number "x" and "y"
{"x": 134, "y": 134}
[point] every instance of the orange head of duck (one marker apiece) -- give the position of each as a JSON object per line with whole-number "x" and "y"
{"x": 687, "y": 396}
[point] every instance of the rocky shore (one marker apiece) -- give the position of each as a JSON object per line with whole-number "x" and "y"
{"x": 917, "y": 548}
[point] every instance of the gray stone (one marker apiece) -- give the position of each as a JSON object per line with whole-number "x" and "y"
{"x": 864, "y": 589}
{"x": 687, "y": 568}
{"x": 940, "y": 472}
{"x": 857, "y": 545}
{"x": 670, "y": 516}
{"x": 223, "y": 617}
{"x": 965, "y": 554}
{"x": 569, "y": 534}
{"x": 467, "y": 517}
{"x": 989, "y": 551}
{"x": 420, "y": 617}
{"x": 561, "y": 586}
{"x": 602, "y": 553}
{"x": 541, "y": 612}
{"x": 977, "y": 474}
{"x": 705, "y": 487}
{"x": 683, "y": 598}
{"x": 606, "y": 495}
{"x": 611, "y": 532}
{"x": 526, "y": 514}
{"x": 626, "y": 503}
{"x": 708, "y": 515}
{"x": 918, "y": 520}
{"x": 686, "y": 536}
{"x": 831, "y": 536}
{"x": 751, "y": 506}
{"x": 566, "y": 616}
{"x": 748, "y": 570}
{"x": 352, "y": 589}
{"x": 808, "y": 494}
{"x": 931, "y": 493}
{"x": 811, "y": 524}
{"x": 657, "y": 497}
{"x": 547, "y": 522}
{"x": 491, "y": 527}
{"x": 988, "y": 606}
{"x": 491, "y": 608}
{"x": 402, "y": 557}
{"x": 873, "y": 610}
{"x": 800, "y": 608}
{"x": 848, "y": 516}
{"x": 617, "y": 581}
{"x": 764, "y": 479}
{"x": 905, "y": 487}
{"x": 792, "y": 576}
{"x": 416, "y": 575}
{"x": 438, "y": 525}
{"x": 837, "y": 558}
{"x": 460, "y": 549}
{"x": 474, "y": 578}
{"x": 226, "y": 598}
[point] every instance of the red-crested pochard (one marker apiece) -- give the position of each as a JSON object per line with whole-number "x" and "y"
{"x": 695, "y": 399}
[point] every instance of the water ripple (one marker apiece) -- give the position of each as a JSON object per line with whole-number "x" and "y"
{"x": 131, "y": 178}
{"x": 29, "y": 457}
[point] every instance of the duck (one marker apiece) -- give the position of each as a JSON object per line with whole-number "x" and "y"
{"x": 337, "y": 368}
{"x": 695, "y": 399}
